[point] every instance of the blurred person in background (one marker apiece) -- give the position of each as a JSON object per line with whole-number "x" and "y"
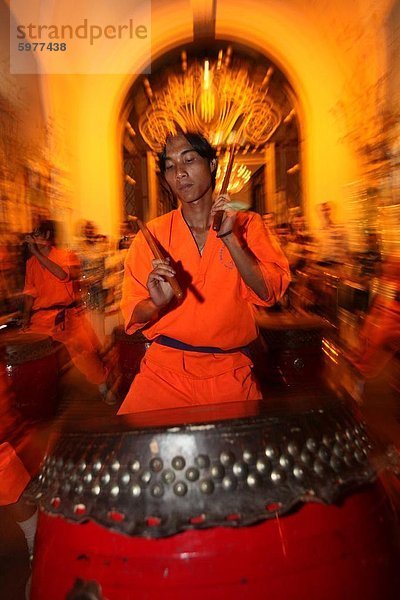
{"x": 269, "y": 220}
{"x": 329, "y": 259}
{"x": 282, "y": 231}
{"x": 52, "y": 307}
{"x": 379, "y": 337}
{"x": 370, "y": 260}
{"x": 114, "y": 274}
{"x": 299, "y": 243}
{"x": 92, "y": 251}
{"x": 299, "y": 251}
{"x": 333, "y": 246}
{"x": 128, "y": 233}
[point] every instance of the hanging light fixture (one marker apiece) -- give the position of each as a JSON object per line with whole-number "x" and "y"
{"x": 240, "y": 175}
{"x": 217, "y": 99}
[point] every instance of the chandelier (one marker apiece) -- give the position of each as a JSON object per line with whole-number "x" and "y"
{"x": 216, "y": 99}
{"x": 240, "y": 175}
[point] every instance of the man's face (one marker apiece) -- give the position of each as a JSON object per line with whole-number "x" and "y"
{"x": 187, "y": 173}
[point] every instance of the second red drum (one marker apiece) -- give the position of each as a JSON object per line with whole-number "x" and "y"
{"x": 32, "y": 369}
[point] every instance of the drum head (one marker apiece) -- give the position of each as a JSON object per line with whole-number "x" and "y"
{"x": 156, "y": 480}
{"x": 24, "y": 347}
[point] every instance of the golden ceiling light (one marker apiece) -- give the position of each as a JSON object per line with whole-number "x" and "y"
{"x": 207, "y": 98}
{"x": 219, "y": 62}
{"x": 239, "y": 177}
{"x": 219, "y": 99}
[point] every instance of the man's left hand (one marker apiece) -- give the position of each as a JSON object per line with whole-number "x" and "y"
{"x": 223, "y": 203}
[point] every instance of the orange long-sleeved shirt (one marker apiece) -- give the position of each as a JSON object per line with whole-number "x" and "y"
{"x": 45, "y": 287}
{"x": 217, "y": 306}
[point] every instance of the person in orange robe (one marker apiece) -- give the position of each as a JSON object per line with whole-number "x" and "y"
{"x": 51, "y": 306}
{"x": 199, "y": 353}
{"x": 380, "y": 334}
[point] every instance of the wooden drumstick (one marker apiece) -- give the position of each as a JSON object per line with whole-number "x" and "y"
{"x": 176, "y": 288}
{"x": 220, "y": 213}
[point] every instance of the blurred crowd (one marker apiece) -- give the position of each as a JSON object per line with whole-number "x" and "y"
{"x": 358, "y": 293}
{"x": 73, "y": 295}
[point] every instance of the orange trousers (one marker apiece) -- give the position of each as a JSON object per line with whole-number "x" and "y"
{"x": 78, "y": 337}
{"x": 171, "y": 378}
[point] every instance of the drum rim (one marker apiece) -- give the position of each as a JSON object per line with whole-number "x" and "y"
{"x": 21, "y": 348}
{"x": 238, "y": 485}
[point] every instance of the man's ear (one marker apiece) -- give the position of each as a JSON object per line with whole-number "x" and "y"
{"x": 213, "y": 165}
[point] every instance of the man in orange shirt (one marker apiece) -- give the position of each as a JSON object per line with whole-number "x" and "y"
{"x": 50, "y": 305}
{"x": 199, "y": 353}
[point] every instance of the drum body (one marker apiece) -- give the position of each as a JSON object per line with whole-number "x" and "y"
{"x": 130, "y": 351}
{"x": 293, "y": 350}
{"x": 317, "y": 552}
{"x": 323, "y": 283}
{"x": 32, "y": 369}
{"x": 353, "y": 297}
{"x": 249, "y": 501}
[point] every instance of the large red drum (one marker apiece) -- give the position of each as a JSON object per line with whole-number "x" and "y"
{"x": 243, "y": 502}
{"x": 32, "y": 369}
{"x": 130, "y": 351}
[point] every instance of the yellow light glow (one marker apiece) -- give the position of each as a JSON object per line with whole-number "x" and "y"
{"x": 239, "y": 177}
{"x": 207, "y": 96}
{"x": 206, "y": 77}
{"x": 218, "y": 99}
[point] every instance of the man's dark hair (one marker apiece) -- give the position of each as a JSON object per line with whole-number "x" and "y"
{"x": 48, "y": 230}
{"x": 200, "y": 144}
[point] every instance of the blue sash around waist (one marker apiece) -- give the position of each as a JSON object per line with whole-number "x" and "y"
{"x": 165, "y": 340}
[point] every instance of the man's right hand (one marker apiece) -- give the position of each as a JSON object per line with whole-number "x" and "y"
{"x": 157, "y": 283}
{"x": 31, "y": 241}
